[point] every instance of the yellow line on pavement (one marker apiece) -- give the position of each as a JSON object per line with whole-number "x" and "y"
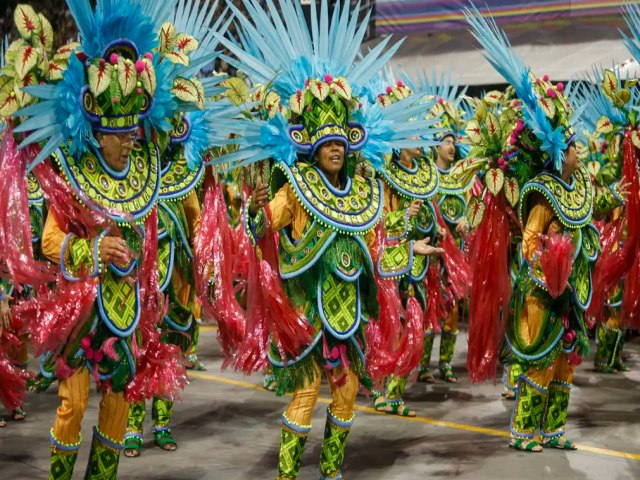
{"x": 208, "y": 328}
{"x": 427, "y": 420}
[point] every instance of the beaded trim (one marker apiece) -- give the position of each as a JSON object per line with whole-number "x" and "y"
{"x": 106, "y": 441}
{"x": 346, "y": 424}
{"x": 64, "y": 447}
{"x": 421, "y": 181}
{"x": 295, "y": 427}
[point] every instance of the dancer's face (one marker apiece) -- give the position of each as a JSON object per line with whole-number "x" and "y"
{"x": 570, "y": 164}
{"x": 447, "y": 151}
{"x": 330, "y": 157}
{"x": 116, "y": 148}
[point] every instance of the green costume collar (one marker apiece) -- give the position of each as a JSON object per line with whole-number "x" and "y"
{"x": 450, "y": 185}
{"x": 572, "y": 203}
{"x": 131, "y": 194}
{"x": 420, "y": 181}
{"x": 354, "y": 210}
{"x": 178, "y": 180}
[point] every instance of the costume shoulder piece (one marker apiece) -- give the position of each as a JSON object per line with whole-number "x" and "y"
{"x": 572, "y": 203}
{"x": 178, "y": 180}
{"x": 453, "y": 184}
{"x": 132, "y": 192}
{"x": 418, "y": 181}
{"x": 355, "y": 210}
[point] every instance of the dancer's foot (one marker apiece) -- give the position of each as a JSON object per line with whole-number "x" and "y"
{"x": 525, "y": 445}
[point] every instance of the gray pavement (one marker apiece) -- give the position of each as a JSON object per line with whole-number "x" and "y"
{"x": 227, "y": 428}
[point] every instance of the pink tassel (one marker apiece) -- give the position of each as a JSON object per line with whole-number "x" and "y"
{"x": 456, "y": 266}
{"x": 53, "y": 316}
{"x": 108, "y": 349}
{"x": 491, "y": 289}
{"x": 412, "y": 342}
{"x": 17, "y": 264}
{"x": 213, "y": 258}
{"x": 556, "y": 258}
{"x": 631, "y": 297}
{"x": 13, "y": 385}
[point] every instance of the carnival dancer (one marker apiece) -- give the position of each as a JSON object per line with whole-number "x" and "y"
{"x": 324, "y": 215}
{"x": 546, "y": 334}
{"x": 182, "y": 171}
{"x": 102, "y": 319}
{"x": 451, "y": 204}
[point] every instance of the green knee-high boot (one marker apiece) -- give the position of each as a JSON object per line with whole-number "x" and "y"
{"x": 554, "y": 419}
{"x": 447, "y": 347}
{"x": 103, "y": 458}
{"x": 135, "y": 432}
{"x": 424, "y": 373}
{"x": 530, "y": 404}
{"x": 336, "y": 432}
{"x": 161, "y": 412}
{"x": 610, "y": 342}
{"x": 63, "y": 458}
{"x": 292, "y": 440}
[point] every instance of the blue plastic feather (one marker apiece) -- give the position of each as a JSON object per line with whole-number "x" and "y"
{"x": 437, "y": 86}
{"x": 58, "y": 117}
{"x": 114, "y": 20}
{"x": 504, "y": 60}
{"x": 631, "y": 14}
{"x": 285, "y": 52}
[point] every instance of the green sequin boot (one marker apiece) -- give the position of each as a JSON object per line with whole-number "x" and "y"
{"x": 103, "y": 458}
{"x": 161, "y": 412}
{"x": 554, "y": 419}
{"x": 530, "y": 404}
{"x": 336, "y": 432}
{"x": 424, "y": 373}
{"x": 63, "y": 458}
{"x": 292, "y": 440}
{"x": 447, "y": 347}
{"x": 609, "y": 349}
{"x": 135, "y": 434}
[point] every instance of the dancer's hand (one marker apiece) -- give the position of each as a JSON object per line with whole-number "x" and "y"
{"x": 259, "y": 198}
{"x": 113, "y": 250}
{"x": 414, "y": 209}
{"x": 422, "y": 247}
{"x": 441, "y": 233}
{"x": 462, "y": 227}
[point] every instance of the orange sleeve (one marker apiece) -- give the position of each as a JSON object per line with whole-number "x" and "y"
{"x": 538, "y": 222}
{"x": 191, "y": 207}
{"x": 52, "y": 238}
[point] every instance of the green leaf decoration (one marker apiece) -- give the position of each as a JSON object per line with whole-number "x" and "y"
{"x": 168, "y": 37}
{"x": 548, "y": 107}
{"x": 127, "y": 76}
{"x": 492, "y": 124}
{"x": 148, "y": 77}
{"x": 342, "y": 87}
{"x": 185, "y": 90}
{"x": 177, "y": 58}
{"x": 296, "y": 102}
{"x": 26, "y": 59}
{"x": 45, "y": 36}
{"x": 475, "y": 212}
{"x": 473, "y": 132}
{"x": 8, "y": 101}
{"x": 237, "y": 91}
{"x": 604, "y": 125}
{"x": 26, "y": 20}
{"x": 494, "y": 180}
{"x": 22, "y": 97}
{"x": 610, "y": 83}
{"x": 319, "y": 89}
{"x": 99, "y": 77}
{"x": 186, "y": 43}
{"x": 511, "y": 191}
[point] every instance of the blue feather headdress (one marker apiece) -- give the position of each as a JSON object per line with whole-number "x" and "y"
{"x": 545, "y": 109}
{"x": 109, "y": 87}
{"x": 318, "y": 81}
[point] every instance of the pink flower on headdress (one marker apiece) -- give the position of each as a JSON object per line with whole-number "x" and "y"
{"x": 546, "y": 78}
{"x": 551, "y": 93}
{"x": 560, "y": 87}
{"x": 519, "y": 125}
{"x": 139, "y": 66}
{"x": 441, "y": 100}
{"x": 113, "y": 59}
{"x": 389, "y": 89}
{"x": 328, "y": 78}
{"x": 148, "y": 56}
{"x": 400, "y": 83}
